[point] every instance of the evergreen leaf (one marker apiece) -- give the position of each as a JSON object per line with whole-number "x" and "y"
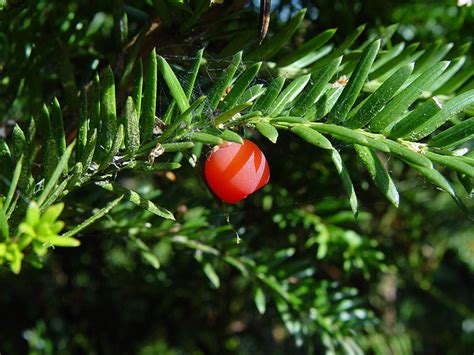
{"x": 240, "y": 86}
{"x": 226, "y": 116}
{"x": 136, "y": 199}
{"x": 362, "y": 115}
{"x": 378, "y": 173}
{"x": 13, "y": 185}
{"x": 268, "y": 131}
{"x": 52, "y": 181}
{"x": 184, "y": 119}
{"x": 455, "y": 66}
{"x": 95, "y": 216}
{"x": 194, "y": 73}
{"x": 57, "y": 128}
{"x": 457, "y": 81}
{"x": 265, "y": 102}
{"x": 108, "y": 115}
{"x": 325, "y": 103}
{"x": 138, "y": 86}
{"x": 449, "y": 110}
{"x": 408, "y": 154}
{"x": 173, "y": 84}
{"x": 436, "y": 178}
{"x": 455, "y": 135}
{"x": 259, "y": 300}
{"x": 395, "y": 108}
{"x": 152, "y": 168}
{"x": 94, "y": 109}
{"x": 432, "y": 55}
{"x": 224, "y": 81}
{"x": 289, "y": 94}
{"x": 312, "y": 136}
{"x": 346, "y": 181}
{"x": 414, "y": 119}
{"x": 177, "y": 147}
{"x": 317, "y": 86}
{"x": 356, "y": 82}
{"x": 148, "y": 108}
{"x": 253, "y": 93}
{"x": 387, "y": 69}
{"x": 226, "y": 135}
{"x": 89, "y": 151}
{"x": 83, "y": 128}
{"x": 452, "y": 163}
{"x": 115, "y": 148}
{"x": 132, "y": 127}
{"x": 211, "y": 274}
{"x": 205, "y": 138}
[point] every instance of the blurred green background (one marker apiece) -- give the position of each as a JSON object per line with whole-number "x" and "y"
{"x": 398, "y": 281}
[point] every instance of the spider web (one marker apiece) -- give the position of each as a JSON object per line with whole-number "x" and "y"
{"x": 211, "y": 68}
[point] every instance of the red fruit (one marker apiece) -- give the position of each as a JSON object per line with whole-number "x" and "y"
{"x": 234, "y": 171}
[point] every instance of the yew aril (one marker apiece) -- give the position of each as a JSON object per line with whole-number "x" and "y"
{"x": 233, "y": 171}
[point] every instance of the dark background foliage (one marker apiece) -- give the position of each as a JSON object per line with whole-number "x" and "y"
{"x": 104, "y": 297}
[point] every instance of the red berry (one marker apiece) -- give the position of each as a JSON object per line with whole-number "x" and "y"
{"x": 234, "y": 171}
